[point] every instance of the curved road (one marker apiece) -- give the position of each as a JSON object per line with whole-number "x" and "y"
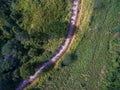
{"x": 60, "y": 51}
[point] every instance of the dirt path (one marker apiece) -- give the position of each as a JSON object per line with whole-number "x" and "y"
{"x": 60, "y": 51}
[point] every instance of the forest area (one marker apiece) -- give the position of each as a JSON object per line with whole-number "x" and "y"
{"x": 30, "y": 32}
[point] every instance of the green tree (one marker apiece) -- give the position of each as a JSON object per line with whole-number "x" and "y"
{"x": 26, "y": 70}
{"x": 10, "y": 49}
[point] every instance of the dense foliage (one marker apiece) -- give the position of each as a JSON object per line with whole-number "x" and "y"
{"x": 30, "y": 31}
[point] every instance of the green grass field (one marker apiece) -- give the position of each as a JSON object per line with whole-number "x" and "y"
{"x": 87, "y": 64}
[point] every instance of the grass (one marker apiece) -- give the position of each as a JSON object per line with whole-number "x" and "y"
{"x": 90, "y": 48}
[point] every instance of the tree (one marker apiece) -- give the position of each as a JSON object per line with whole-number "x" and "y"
{"x": 26, "y": 70}
{"x": 8, "y": 64}
{"x": 10, "y": 49}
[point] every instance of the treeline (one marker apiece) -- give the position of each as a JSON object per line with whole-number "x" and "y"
{"x": 26, "y": 26}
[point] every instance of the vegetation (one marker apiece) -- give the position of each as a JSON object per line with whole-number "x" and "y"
{"x": 92, "y": 62}
{"x": 30, "y": 32}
